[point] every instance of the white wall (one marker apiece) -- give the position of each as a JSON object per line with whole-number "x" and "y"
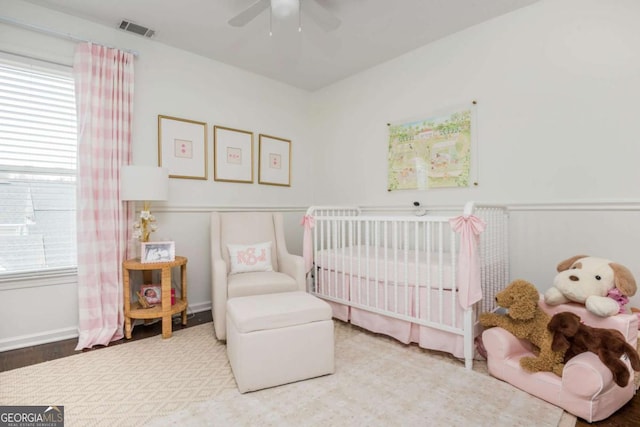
{"x": 557, "y": 85}
{"x": 542, "y": 236}
{"x": 174, "y": 83}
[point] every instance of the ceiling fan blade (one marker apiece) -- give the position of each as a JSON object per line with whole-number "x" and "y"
{"x": 320, "y": 15}
{"x": 244, "y": 17}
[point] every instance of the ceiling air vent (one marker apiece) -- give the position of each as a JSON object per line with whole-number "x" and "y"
{"x": 137, "y": 29}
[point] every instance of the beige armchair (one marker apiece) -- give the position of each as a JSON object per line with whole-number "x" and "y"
{"x": 248, "y": 228}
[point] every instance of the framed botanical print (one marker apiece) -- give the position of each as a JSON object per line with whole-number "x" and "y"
{"x": 182, "y": 147}
{"x": 275, "y": 161}
{"x": 232, "y": 155}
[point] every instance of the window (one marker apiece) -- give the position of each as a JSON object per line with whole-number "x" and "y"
{"x": 38, "y": 146}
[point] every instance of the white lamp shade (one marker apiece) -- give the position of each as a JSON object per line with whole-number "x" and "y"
{"x": 145, "y": 183}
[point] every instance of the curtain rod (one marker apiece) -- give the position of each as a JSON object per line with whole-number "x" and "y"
{"x": 34, "y": 58}
{"x": 58, "y": 34}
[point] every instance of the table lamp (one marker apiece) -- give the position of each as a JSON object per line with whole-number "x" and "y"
{"x": 146, "y": 184}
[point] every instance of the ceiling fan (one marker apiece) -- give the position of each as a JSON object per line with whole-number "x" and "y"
{"x": 283, "y": 8}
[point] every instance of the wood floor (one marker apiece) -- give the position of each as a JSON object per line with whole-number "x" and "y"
{"x": 627, "y": 416}
{"x": 14, "y": 359}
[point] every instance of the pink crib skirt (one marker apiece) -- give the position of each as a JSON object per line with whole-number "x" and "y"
{"x": 397, "y": 299}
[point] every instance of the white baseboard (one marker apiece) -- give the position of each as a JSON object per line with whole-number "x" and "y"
{"x": 22, "y": 341}
{"x": 199, "y": 307}
{"x": 37, "y": 339}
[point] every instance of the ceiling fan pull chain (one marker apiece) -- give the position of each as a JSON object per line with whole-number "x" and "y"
{"x": 270, "y": 21}
{"x": 300, "y": 16}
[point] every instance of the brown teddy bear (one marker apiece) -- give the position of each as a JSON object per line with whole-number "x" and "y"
{"x": 526, "y": 320}
{"x": 574, "y": 337}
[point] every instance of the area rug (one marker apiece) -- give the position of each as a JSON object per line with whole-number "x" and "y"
{"x": 186, "y": 380}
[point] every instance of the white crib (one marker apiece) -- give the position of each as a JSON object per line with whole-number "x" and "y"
{"x": 403, "y": 276}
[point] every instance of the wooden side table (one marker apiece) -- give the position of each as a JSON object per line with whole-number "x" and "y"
{"x": 133, "y": 310}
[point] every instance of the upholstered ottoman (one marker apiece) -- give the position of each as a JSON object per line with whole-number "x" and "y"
{"x": 279, "y": 338}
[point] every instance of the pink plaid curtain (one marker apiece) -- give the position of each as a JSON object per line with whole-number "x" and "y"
{"x": 104, "y": 98}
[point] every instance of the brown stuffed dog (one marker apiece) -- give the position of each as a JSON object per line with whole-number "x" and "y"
{"x": 526, "y": 320}
{"x": 574, "y": 337}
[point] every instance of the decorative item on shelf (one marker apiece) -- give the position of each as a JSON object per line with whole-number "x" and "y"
{"x": 152, "y": 293}
{"x": 157, "y": 252}
{"x": 146, "y": 184}
{"x": 143, "y": 301}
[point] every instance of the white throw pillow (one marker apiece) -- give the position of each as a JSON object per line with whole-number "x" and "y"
{"x": 248, "y": 258}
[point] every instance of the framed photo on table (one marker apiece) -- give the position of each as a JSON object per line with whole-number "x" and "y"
{"x": 275, "y": 161}
{"x": 151, "y": 293}
{"x": 232, "y": 155}
{"x": 157, "y": 252}
{"x": 182, "y": 147}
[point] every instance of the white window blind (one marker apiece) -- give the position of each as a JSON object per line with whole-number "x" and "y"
{"x": 38, "y": 141}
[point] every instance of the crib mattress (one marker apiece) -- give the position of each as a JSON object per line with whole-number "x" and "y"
{"x": 404, "y": 267}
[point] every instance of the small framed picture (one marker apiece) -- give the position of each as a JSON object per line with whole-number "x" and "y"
{"x": 157, "y": 252}
{"x": 152, "y": 293}
{"x": 274, "y": 167}
{"x": 232, "y": 155}
{"x": 182, "y": 147}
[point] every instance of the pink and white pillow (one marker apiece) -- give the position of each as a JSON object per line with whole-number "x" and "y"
{"x": 249, "y": 258}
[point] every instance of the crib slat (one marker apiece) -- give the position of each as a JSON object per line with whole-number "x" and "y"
{"x": 405, "y": 239}
{"x": 416, "y": 245}
{"x": 395, "y": 267}
{"x": 359, "y": 242}
{"x": 343, "y": 282}
{"x": 336, "y": 267}
{"x": 377, "y": 244}
{"x": 440, "y": 276}
{"x": 368, "y": 278}
{"x": 454, "y": 284}
{"x": 429, "y": 274}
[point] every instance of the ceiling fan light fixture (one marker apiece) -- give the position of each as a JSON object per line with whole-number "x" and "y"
{"x": 284, "y": 8}
{"x": 317, "y": 12}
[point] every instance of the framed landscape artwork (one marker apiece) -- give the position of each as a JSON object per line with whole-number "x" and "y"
{"x": 435, "y": 152}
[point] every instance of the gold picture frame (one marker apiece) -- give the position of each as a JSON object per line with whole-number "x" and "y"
{"x": 232, "y": 155}
{"x": 182, "y": 147}
{"x": 274, "y": 166}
